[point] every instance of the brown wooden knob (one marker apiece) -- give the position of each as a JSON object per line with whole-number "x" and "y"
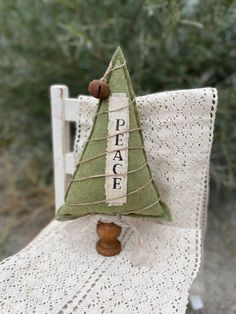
{"x": 98, "y": 89}
{"x": 108, "y": 245}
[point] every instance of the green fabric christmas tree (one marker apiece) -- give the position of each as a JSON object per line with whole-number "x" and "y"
{"x": 86, "y": 193}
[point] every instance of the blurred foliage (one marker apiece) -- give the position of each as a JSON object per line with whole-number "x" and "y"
{"x": 169, "y": 45}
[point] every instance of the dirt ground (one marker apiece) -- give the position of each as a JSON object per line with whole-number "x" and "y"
{"x": 220, "y": 255}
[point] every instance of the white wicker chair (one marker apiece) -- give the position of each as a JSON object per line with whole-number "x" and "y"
{"x": 60, "y": 272}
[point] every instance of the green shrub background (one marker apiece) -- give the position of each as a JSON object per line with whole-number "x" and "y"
{"x": 168, "y": 44}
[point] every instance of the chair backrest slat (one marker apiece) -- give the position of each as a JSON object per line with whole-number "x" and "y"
{"x": 61, "y": 140}
{"x": 70, "y": 107}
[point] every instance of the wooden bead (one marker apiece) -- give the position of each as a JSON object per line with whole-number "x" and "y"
{"x": 98, "y": 89}
{"x": 108, "y": 245}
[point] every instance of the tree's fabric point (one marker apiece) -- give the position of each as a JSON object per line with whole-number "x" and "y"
{"x": 87, "y": 196}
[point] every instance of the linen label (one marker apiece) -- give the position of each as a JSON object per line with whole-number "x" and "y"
{"x": 117, "y": 150}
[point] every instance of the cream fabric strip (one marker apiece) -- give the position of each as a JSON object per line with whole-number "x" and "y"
{"x": 118, "y": 122}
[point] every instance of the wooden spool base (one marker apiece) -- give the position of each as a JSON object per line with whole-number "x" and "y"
{"x": 108, "y": 245}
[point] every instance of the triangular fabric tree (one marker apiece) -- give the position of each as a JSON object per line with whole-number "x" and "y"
{"x": 113, "y": 175}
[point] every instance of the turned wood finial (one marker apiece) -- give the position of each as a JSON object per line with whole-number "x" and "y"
{"x": 108, "y": 245}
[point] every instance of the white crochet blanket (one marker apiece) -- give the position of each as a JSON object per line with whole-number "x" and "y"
{"x": 60, "y": 271}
